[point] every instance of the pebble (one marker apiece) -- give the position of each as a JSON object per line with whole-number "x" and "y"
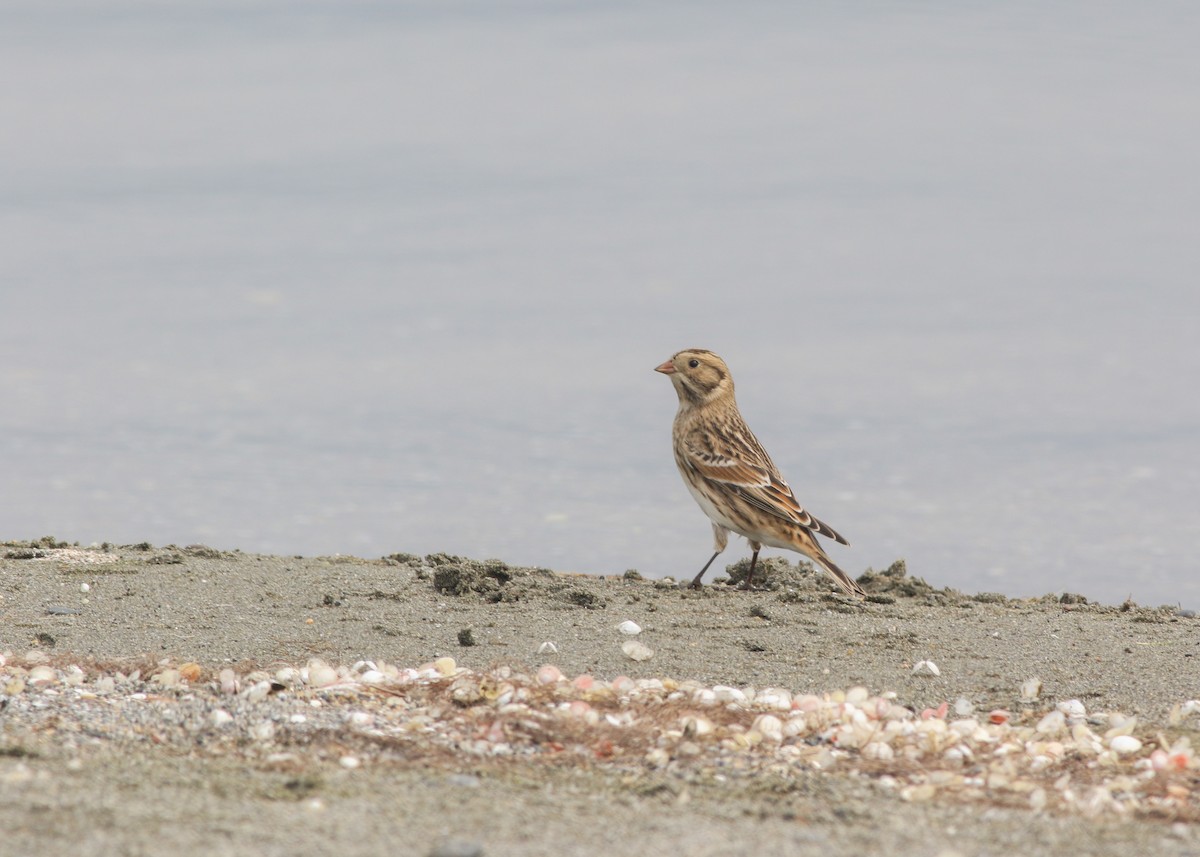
{"x": 630, "y": 628}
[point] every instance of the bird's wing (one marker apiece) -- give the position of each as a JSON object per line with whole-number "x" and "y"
{"x": 759, "y": 485}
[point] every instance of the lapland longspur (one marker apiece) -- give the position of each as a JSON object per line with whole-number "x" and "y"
{"x": 730, "y": 474}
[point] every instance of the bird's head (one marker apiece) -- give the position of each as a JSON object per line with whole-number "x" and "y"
{"x": 699, "y": 376}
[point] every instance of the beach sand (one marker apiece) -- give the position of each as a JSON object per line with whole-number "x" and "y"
{"x": 93, "y": 761}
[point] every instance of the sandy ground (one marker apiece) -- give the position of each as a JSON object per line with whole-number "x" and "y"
{"x": 151, "y": 786}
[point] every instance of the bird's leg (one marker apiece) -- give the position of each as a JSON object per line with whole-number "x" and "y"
{"x": 696, "y": 579}
{"x": 750, "y": 573}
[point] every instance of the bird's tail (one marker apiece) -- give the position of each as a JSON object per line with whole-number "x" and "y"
{"x": 843, "y": 580}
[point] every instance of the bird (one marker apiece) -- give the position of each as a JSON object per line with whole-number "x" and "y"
{"x": 730, "y": 474}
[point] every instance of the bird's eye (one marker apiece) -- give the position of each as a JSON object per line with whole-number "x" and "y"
{"x": 693, "y": 362}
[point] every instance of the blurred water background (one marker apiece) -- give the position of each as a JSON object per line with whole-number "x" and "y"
{"x": 365, "y": 277}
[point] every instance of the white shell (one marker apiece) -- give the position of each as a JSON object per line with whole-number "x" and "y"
{"x": 1072, "y": 709}
{"x": 547, "y": 648}
{"x": 636, "y": 651}
{"x": 1124, "y": 744}
{"x": 925, "y": 668}
{"x": 630, "y": 628}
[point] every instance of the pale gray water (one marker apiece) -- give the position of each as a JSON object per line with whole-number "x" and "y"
{"x": 364, "y": 277}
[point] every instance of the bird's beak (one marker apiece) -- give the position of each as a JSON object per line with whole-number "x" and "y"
{"x": 667, "y": 368}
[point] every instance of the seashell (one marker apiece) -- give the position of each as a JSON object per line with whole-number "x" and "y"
{"x": 1031, "y": 689}
{"x": 1123, "y": 745}
{"x": 857, "y": 695}
{"x": 228, "y": 681}
{"x": 445, "y": 667}
{"x": 73, "y": 677}
{"x": 547, "y": 648}
{"x": 349, "y": 762}
{"x": 926, "y": 668}
{"x": 658, "y": 758}
{"x": 724, "y": 693}
{"x": 775, "y": 698}
{"x": 630, "y": 628}
{"x": 964, "y": 728}
{"x": 696, "y": 727}
{"x": 262, "y": 731}
{"x": 287, "y": 675}
{"x": 549, "y": 674}
{"x": 258, "y": 691}
{"x": 218, "y": 717}
{"x": 879, "y": 751}
{"x": 321, "y": 675}
{"x": 957, "y": 755}
{"x": 916, "y": 794}
{"x": 769, "y": 727}
{"x": 999, "y": 716}
{"x": 636, "y": 651}
{"x": 963, "y": 707}
{"x": 1072, "y": 709}
{"x": 42, "y": 675}
{"x": 1052, "y": 723}
{"x": 794, "y": 726}
{"x": 466, "y": 690}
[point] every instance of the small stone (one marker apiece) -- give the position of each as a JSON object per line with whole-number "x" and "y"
{"x": 630, "y": 628}
{"x": 466, "y": 637}
{"x": 349, "y": 762}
